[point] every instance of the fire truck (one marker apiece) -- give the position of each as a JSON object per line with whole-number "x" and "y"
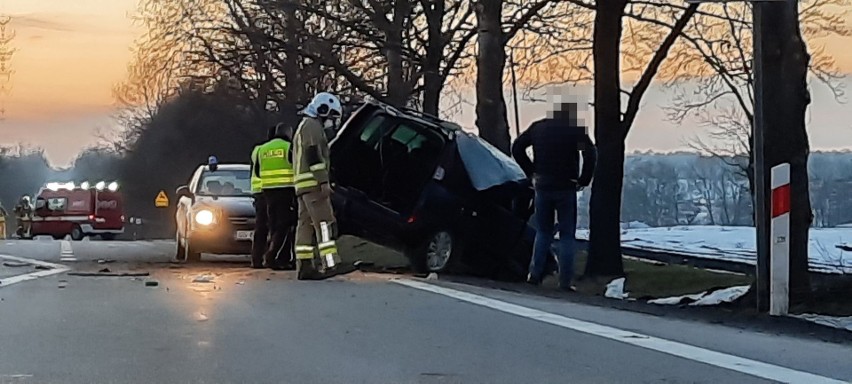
{"x": 63, "y": 209}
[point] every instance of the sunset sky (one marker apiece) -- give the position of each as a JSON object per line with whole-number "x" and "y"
{"x": 71, "y": 52}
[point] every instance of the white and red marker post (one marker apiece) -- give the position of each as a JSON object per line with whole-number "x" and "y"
{"x": 779, "y": 275}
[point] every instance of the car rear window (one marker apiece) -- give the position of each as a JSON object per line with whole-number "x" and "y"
{"x": 225, "y": 183}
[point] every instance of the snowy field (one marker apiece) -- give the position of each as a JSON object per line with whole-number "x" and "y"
{"x": 737, "y": 244}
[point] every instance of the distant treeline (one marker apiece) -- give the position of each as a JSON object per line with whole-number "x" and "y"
{"x": 690, "y": 189}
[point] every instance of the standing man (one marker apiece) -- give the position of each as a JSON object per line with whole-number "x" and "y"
{"x": 316, "y": 231}
{"x": 556, "y": 142}
{"x": 260, "y": 241}
{"x": 276, "y": 173}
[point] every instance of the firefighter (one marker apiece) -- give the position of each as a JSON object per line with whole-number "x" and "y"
{"x": 3, "y": 215}
{"x": 23, "y": 215}
{"x": 260, "y": 241}
{"x": 316, "y": 230}
{"x": 276, "y": 173}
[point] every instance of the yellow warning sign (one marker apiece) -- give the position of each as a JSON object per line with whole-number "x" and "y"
{"x": 162, "y": 201}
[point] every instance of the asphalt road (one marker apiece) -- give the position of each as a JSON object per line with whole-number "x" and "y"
{"x": 245, "y": 326}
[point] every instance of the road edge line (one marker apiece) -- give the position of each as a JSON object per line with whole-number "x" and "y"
{"x": 686, "y": 351}
{"x": 55, "y": 269}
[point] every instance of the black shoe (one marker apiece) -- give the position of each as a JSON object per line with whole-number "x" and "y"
{"x": 533, "y": 281}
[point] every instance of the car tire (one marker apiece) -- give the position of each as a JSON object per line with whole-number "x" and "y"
{"x": 439, "y": 252}
{"x": 77, "y": 233}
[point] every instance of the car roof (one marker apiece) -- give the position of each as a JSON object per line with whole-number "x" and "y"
{"x": 230, "y": 167}
{"x": 447, "y": 127}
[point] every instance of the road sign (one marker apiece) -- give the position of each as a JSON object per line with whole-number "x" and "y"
{"x": 162, "y": 201}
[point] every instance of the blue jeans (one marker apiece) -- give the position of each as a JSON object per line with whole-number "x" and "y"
{"x": 562, "y": 205}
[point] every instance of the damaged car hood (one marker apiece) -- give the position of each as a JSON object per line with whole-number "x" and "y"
{"x": 485, "y": 164}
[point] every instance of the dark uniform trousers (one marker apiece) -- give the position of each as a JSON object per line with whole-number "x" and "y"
{"x": 281, "y": 208}
{"x": 260, "y": 242}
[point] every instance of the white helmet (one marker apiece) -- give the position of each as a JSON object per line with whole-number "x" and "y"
{"x": 326, "y": 105}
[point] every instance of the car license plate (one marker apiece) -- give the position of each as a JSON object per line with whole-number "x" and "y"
{"x": 245, "y": 235}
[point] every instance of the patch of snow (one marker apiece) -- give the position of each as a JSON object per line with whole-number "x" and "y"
{"x": 675, "y": 300}
{"x": 615, "y": 289}
{"x": 829, "y": 247}
{"x": 717, "y": 297}
{"x": 726, "y": 295}
{"x": 830, "y": 321}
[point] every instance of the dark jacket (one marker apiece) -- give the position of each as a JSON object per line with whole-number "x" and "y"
{"x": 555, "y": 149}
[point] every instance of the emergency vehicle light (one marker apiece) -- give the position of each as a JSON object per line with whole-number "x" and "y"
{"x": 84, "y": 185}
{"x": 100, "y": 185}
{"x": 113, "y": 186}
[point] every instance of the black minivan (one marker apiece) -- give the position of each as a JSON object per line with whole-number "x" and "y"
{"x": 447, "y": 199}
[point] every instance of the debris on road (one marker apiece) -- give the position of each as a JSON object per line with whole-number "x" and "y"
{"x": 105, "y": 261}
{"x": 241, "y": 282}
{"x": 105, "y": 270}
{"x": 432, "y": 276}
{"x": 110, "y": 274}
{"x": 203, "y": 279}
{"x": 152, "y": 283}
{"x": 15, "y": 264}
{"x": 615, "y": 289}
{"x": 62, "y": 284}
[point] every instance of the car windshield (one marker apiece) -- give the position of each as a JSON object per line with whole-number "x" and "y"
{"x": 225, "y": 183}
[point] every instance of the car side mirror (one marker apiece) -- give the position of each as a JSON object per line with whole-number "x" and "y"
{"x": 183, "y": 191}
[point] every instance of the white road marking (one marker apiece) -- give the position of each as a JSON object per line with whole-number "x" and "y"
{"x": 66, "y": 253}
{"x": 55, "y": 270}
{"x": 686, "y": 351}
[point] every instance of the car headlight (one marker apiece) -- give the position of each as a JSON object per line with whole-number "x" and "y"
{"x": 204, "y": 217}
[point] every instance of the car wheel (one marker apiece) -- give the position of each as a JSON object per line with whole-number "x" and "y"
{"x": 191, "y": 254}
{"x": 439, "y": 252}
{"x": 180, "y": 251}
{"x": 77, "y": 233}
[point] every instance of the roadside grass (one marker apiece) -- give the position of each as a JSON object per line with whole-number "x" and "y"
{"x": 354, "y": 249}
{"x": 649, "y": 280}
{"x": 644, "y": 279}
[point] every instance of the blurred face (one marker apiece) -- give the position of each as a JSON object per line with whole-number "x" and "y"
{"x": 567, "y": 112}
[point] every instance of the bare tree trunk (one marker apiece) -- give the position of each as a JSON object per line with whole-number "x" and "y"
{"x": 787, "y": 97}
{"x": 396, "y": 84}
{"x": 433, "y": 82}
{"x": 294, "y": 91}
{"x": 605, "y": 205}
{"x": 491, "y": 117}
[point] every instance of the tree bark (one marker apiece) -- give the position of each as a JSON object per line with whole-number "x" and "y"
{"x": 491, "y": 117}
{"x": 397, "y": 90}
{"x": 433, "y": 82}
{"x": 294, "y": 90}
{"x": 786, "y": 99}
{"x": 605, "y": 205}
